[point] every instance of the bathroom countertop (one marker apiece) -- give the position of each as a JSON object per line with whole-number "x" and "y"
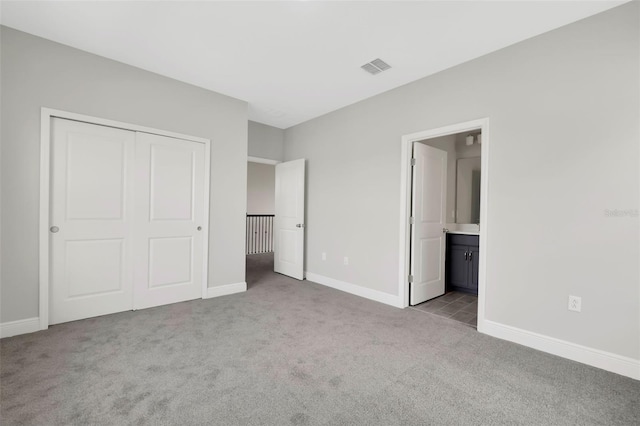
{"x": 464, "y": 232}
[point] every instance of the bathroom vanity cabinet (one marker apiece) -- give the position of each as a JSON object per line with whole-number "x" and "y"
{"x": 462, "y": 263}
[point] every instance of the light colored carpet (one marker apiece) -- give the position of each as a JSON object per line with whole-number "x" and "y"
{"x": 289, "y": 352}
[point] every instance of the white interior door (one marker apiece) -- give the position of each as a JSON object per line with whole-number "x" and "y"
{"x": 170, "y": 222}
{"x": 428, "y": 212}
{"x": 90, "y": 219}
{"x": 289, "y": 220}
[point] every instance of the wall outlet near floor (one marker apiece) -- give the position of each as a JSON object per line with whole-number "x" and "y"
{"x": 324, "y": 255}
{"x": 575, "y": 303}
{"x": 346, "y": 260}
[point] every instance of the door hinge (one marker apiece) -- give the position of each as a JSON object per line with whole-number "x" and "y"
{"x": 410, "y": 278}
{"x": 413, "y": 162}
{"x": 411, "y": 221}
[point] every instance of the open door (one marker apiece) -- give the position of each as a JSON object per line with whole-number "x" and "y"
{"x": 288, "y": 257}
{"x": 428, "y": 217}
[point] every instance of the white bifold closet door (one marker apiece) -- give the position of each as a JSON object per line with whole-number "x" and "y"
{"x": 127, "y": 220}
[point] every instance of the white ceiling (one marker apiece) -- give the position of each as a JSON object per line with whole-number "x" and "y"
{"x": 293, "y": 60}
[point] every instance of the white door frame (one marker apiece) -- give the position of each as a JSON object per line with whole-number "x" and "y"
{"x": 46, "y": 115}
{"x": 405, "y": 206}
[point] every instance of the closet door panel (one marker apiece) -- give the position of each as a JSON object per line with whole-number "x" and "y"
{"x": 91, "y": 218}
{"x": 170, "y": 222}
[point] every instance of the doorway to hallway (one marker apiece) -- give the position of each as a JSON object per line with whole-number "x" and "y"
{"x": 259, "y": 268}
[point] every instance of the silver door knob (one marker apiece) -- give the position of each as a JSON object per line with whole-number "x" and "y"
{"x": 54, "y": 229}
{"x": 300, "y": 225}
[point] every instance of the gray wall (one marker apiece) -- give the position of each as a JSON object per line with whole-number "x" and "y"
{"x": 261, "y": 188}
{"x": 39, "y": 73}
{"x": 266, "y": 141}
{"x": 564, "y": 115}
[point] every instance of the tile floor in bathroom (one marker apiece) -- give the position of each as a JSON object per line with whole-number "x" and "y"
{"x": 461, "y": 307}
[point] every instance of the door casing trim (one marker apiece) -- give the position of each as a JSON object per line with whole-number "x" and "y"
{"x": 46, "y": 114}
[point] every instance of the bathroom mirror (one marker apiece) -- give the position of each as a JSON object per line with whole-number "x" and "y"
{"x": 468, "y": 190}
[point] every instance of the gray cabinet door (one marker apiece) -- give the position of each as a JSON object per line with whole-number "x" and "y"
{"x": 458, "y": 266}
{"x": 474, "y": 253}
{"x": 463, "y": 255}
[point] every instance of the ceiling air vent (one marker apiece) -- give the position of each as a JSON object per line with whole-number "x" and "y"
{"x": 376, "y": 66}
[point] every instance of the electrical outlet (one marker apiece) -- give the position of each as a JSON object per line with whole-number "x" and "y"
{"x": 346, "y": 260}
{"x": 324, "y": 255}
{"x": 575, "y": 303}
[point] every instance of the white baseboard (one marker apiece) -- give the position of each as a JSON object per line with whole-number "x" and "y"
{"x": 367, "y": 293}
{"x": 224, "y": 290}
{"x": 14, "y": 328}
{"x": 594, "y": 357}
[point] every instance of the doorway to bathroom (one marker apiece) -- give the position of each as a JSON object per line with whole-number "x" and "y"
{"x": 443, "y": 221}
